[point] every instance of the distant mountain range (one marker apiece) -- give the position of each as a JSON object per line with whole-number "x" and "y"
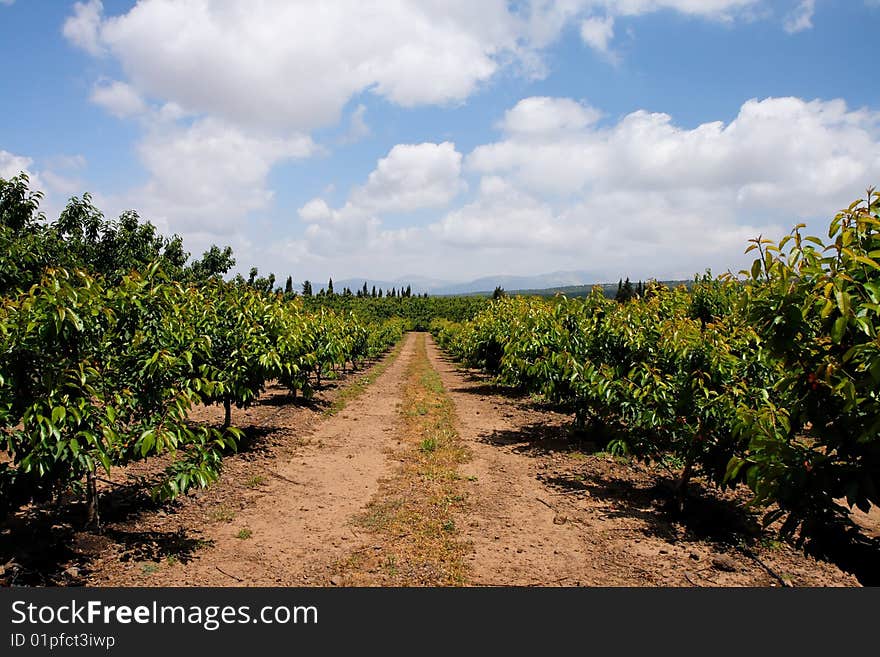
{"x": 432, "y": 286}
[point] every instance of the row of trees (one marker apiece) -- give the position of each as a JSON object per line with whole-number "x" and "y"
{"x": 361, "y": 293}
{"x": 108, "y": 338}
{"x": 771, "y": 379}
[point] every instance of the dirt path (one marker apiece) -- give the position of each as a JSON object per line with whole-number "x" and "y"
{"x": 518, "y": 536}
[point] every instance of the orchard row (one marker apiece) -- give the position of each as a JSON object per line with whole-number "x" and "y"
{"x": 95, "y": 375}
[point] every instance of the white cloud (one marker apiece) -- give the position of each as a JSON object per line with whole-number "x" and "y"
{"x": 11, "y": 165}
{"x": 118, "y": 98}
{"x": 597, "y": 32}
{"x": 209, "y": 176}
{"x": 658, "y": 197}
{"x": 712, "y": 9}
{"x": 237, "y": 88}
{"x": 801, "y": 17}
{"x": 502, "y": 216}
{"x": 541, "y": 116}
{"x": 802, "y": 154}
{"x": 294, "y": 65}
{"x": 640, "y": 196}
{"x": 82, "y": 28}
{"x": 410, "y": 177}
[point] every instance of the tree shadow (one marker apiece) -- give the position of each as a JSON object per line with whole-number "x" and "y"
{"x": 704, "y": 516}
{"x": 487, "y": 388}
{"x": 849, "y": 548}
{"x": 540, "y": 439}
{"x": 35, "y": 549}
{"x": 156, "y": 545}
{"x": 257, "y": 439}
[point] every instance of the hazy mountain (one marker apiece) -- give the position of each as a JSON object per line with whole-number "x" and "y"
{"x": 434, "y": 286}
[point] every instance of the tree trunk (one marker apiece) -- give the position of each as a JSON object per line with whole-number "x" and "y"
{"x": 580, "y": 420}
{"x": 681, "y": 489}
{"x": 227, "y": 406}
{"x": 93, "y": 514}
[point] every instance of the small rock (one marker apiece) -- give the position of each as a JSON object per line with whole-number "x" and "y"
{"x": 664, "y": 551}
{"x": 519, "y": 550}
{"x": 695, "y": 556}
{"x": 335, "y": 581}
{"x": 725, "y": 563}
{"x": 559, "y": 520}
{"x": 73, "y": 571}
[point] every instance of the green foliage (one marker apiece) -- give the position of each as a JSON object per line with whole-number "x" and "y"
{"x": 815, "y": 304}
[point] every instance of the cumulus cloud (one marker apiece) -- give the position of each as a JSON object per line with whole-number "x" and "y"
{"x": 597, "y": 32}
{"x": 797, "y": 154}
{"x": 644, "y": 190}
{"x": 236, "y": 89}
{"x": 411, "y": 177}
{"x": 801, "y": 17}
{"x": 542, "y": 116}
{"x": 209, "y": 175}
{"x": 83, "y": 28}
{"x": 293, "y": 65}
{"x": 118, "y": 98}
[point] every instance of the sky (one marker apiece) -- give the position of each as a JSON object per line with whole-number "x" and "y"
{"x": 449, "y": 139}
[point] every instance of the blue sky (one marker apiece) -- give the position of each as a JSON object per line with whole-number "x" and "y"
{"x": 449, "y": 139}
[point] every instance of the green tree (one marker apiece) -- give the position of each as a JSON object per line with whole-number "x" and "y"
{"x": 214, "y": 263}
{"x": 625, "y": 291}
